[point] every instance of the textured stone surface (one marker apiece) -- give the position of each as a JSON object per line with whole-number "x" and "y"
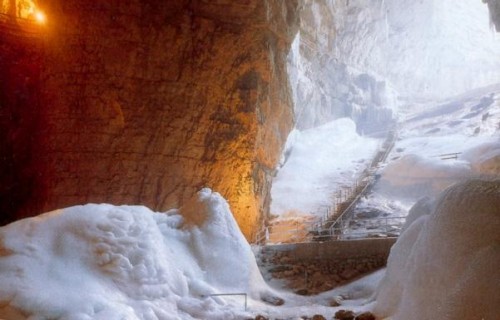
{"x": 344, "y": 315}
{"x": 146, "y": 102}
{"x": 494, "y": 7}
{"x": 325, "y": 87}
{"x": 20, "y": 60}
{"x": 314, "y": 276}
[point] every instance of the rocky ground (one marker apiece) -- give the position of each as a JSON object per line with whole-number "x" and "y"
{"x": 339, "y": 315}
{"x": 316, "y": 276}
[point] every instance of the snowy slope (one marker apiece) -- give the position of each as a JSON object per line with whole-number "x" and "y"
{"x": 391, "y": 58}
{"x": 447, "y": 142}
{"x": 440, "y": 143}
{"x": 321, "y": 161}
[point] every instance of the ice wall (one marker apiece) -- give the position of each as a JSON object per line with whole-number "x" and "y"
{"x": 354, "y": 57}
{"x": 325, "y": 87}
{"x": 453, "y": 249}
{"x": 494, "y": 7}
{"x": 100, "y": 261}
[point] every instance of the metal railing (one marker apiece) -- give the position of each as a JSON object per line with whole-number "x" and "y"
{"x": 228, "y": 294}
{"x": 449, "y": 156}
{"x": 363, "y": 184}
{"x": 353, "y": 228}
{"x": 343, "y": 205}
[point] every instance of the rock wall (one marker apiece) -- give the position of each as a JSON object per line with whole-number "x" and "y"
{"x": 324, "y": 83}
{"x": 494, "y": 7}
{"x": 362, "y": 59}
{"x": 146, "y": 102}
{"x": 20, "y": 66}
{"x": 428, "y": 49}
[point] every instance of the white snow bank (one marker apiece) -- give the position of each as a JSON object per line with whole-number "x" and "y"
{"x": 484, "y": 159}
{"x": 413, "y": 176}
{"x": 445, "y": 265}
{"x": 424, "y": 206}
{"x": 320, "y": 161}
{"x": 354, "y": 296}
{"x": 127, "y": 262}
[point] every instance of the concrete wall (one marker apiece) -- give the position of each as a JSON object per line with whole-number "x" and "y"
{"x": 312, "y": 268}
{"x": 348, "y": 249}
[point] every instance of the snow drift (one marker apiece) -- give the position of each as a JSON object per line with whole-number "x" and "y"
{"x": 320, "y": 161}
{"x": 413, "y": 176}
{"x": 127, "y": 262}
{"x": 445, "y": 264}
{"x": 484, "y": 159}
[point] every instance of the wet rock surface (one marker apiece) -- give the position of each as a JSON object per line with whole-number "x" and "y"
{"x": 147, "y": 102}
{"x": 344, "y": 315}
{"x": 365, "y": 316}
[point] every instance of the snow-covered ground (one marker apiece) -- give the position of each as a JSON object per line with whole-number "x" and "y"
{"x": 389, "y": 58}
{"x": 127, "y": 262}
{"x": 320, "y": 161}
{"x": 450, "y": 141}
{"x": 107, "y": 262}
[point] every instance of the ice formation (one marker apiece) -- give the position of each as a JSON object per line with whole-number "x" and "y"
{"x": 127, "y": 262}
{"x": 100, "y": 261}
{"x": 426, "y": 49}
{"x": 414, "y": 176}
{"x": 445, "y": 264}
{"x": 364, "y": 58}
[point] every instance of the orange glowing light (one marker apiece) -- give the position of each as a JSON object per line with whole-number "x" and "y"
{"x": 40, "y": 17}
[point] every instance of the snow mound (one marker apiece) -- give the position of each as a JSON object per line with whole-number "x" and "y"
{"x": 424, "y": 206}
{"x": 127, "y": 262}
{"x": 413, "y": 176}
{"x": 445, "y": 264}
{"x": 485, "y": 158}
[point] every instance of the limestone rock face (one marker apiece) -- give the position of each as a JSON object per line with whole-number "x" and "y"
{"x": 364, "y": 59}
{"x": 494, "y": 7}
{"x": 309, "y": 65}
{"x": 325, "y": 85}
{"x": 20, "y": 66}
{"x": 146, "y": 102}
